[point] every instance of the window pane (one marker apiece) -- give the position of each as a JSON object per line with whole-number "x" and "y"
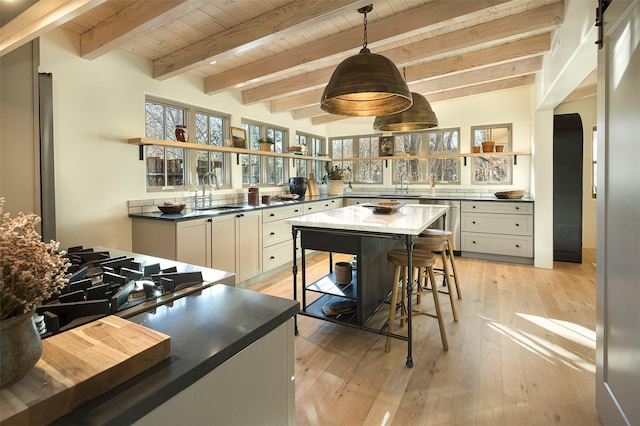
{"x": 409, "y": 170}
{"x": 210, "y": 131}
{"x": 445, "y": 141}
{"x": 369, "y": 171}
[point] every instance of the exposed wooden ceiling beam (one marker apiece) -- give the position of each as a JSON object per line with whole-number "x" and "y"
{"x": 476, "y": 76}
{"x": 308, "y": 112}
{"x": 517, "y": 49}
{"x": 537, "y": 20}
{"x": 136, "y": 18}
{"x": 251, "y": 33}
{"x": 40, "y": 18}
{"x": 387, "y": 29}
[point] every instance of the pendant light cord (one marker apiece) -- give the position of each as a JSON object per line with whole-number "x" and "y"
{"x": 364, "y": 45}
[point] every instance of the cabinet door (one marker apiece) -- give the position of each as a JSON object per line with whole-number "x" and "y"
{"x": 223, "y": 243}
{"x": 193, "y": 242}
{"x": 249, "y": 249}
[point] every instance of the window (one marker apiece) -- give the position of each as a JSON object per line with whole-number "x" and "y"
{"x": 165, "y": 165}
{"x": 211, "y": 130}
{"x": 594, "y": 162}
{"x": 444, "y": 141}
{"x": 410, "y": 170}
{"x": 257, "y": 169}
{"x": 169, "y": 167}
{"x": 343, "y": 148}
{"x": 315, "y": 147}
{"x": 368, "y": 171}
{"x": 491, "y": 169}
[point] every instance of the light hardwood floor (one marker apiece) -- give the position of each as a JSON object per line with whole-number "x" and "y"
{"x": 523, "y": 353}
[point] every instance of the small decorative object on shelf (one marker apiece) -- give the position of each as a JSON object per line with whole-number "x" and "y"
{"x": 476, "y": 149}
{"x": 265, "y": 143}
{"x": 499, "y": 148}
{"x": 488, "y": 146}
{"x": 182, "y": 134}
{"x": 32, "y": 271}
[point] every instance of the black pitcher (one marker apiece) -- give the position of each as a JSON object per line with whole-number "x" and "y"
{"x": 298, "y": 185}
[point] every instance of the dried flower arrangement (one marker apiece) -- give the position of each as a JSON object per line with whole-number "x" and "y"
{"x": 32, "y": 270}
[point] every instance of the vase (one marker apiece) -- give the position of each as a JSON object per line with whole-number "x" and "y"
{"x": 20, "y": 349}
{"x": 182, "y": 135}
{"x": 298, "y": 185}
{"x": 335, "y": 187}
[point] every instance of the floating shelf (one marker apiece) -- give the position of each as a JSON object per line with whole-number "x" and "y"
{"x": 187, "y": 145}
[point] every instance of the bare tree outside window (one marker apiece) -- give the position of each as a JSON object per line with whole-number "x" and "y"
{"x": 444, "y": 141}
{"x": 368, "y": 171}
{"x": 411, "y": 170}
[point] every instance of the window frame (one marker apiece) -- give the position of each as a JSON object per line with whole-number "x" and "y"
{"x": 266, "y": 165}
{"x": 486, "y": 166}
{"x": 189, "y": 156}
{"x": 432, "y": 161}
{"x": 315, "y": 147}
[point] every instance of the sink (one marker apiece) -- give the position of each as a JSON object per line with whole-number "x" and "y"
{"x": 219, "y": 208}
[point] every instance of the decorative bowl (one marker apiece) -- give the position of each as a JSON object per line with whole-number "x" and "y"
{"x": 509, "y": 194}
{"x": 171, "y": 208}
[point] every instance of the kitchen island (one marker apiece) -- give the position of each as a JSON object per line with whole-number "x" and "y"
{"x": 358, "y": 230}
{"x": 229, "y": 347}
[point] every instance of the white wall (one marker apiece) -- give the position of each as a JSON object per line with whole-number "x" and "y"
{"x": 98, "y": 105}
{"x": 587, "y": 108}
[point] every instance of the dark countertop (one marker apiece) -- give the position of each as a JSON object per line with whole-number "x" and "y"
{"x": 207, "y": 327}
{"x": 188, "y": 214}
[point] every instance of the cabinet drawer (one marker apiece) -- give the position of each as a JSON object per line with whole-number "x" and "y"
{"x": 285, "y": 212}
{"x": 277, "y": 255}
{"x": 510, "y": 207}
{"x": 508, "y": 245}
{"x": 337, "y": 203}
{"x": 510, "y": 224}
{"x": 275, "y": 232}
{"x": 317, "y": 206}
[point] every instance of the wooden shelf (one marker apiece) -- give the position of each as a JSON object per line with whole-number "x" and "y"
{"x": 424, "y": 156}
{"x": 187, "y": 145}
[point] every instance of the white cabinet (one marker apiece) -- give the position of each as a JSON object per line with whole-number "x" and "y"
{"x": 277, "y": 248}
{"x": 187, "y": 241}
{"x": 254, "y": 387}
{"x": 497, "y": 230}
{"x": 236, "y": 244}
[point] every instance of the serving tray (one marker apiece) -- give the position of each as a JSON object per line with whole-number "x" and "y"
{"x": 384, "y": 207}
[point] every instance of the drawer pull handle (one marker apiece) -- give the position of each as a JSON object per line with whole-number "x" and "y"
{"x": 517, "y": 245}
{"x": 473, "y": 207}
{"x": 517, "y": 224}
{"x": 473, "y": 242}
{"x": 271, "y": 258}
{"x": 296, "y": 211}
{"x": 474, "y": 222}
{"x": 272, "y": 233}
{"x": 272, "y": 215}
{"x": 309, "y": 208}
{"x": 517, "y": 208}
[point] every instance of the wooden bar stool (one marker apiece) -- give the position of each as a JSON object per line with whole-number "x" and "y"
{"x": 420, "y": 261}
{"x": 441, "y": 234}
{"x": 440, "y": 247}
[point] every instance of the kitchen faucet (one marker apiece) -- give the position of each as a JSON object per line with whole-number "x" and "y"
{"x": 206, "y": 177}
{"x": 403, "y": 189}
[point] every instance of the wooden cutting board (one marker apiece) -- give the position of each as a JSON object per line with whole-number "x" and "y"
{"x": 312, "y": 186}
{"x": 79, "y": 365}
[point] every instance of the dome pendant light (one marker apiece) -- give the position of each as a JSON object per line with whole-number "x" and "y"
{"x": 419, "y": 116}
{"x": 366, "y": 84}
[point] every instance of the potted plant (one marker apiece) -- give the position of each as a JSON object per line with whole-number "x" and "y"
{"x": 265, "y": 143}
{"x": 32, "y": 271}
{"x": 334, "y": 176}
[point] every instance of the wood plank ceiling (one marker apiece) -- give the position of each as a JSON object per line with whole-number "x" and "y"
{"x": 283, "y": 52}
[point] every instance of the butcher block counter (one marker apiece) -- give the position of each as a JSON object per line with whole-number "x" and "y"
{"x": 214, "y": 333}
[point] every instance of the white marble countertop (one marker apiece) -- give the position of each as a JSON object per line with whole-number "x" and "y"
{"x": 411, "y": 219}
